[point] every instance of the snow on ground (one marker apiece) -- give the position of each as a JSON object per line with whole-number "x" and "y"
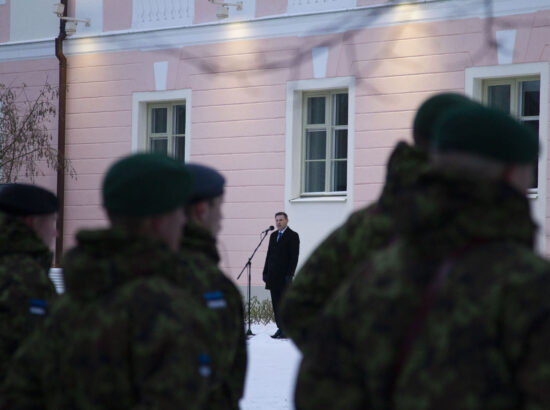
{"x": 271, "y": 373}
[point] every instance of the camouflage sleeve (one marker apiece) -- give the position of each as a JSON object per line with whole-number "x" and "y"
{"x": 238, "y": 367}
{"x": 170, "y": 354}
{"x": 526, "y": 320}
{"x": 19, "y": 288}
{"x": 312, "y": 285}
{"x": 330, "y": 375}
{"x": 22, "y": 389}
{"x": 325, "y": 270}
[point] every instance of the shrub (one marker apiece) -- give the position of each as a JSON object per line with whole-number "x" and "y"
{"x": 260, "y": 312}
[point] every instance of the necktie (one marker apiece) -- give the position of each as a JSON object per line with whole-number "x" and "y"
{"x": 279, "y": 236}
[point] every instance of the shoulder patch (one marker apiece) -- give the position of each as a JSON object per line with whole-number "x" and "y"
{"x": 38, "y": 307}
{"x": 215, "y": 300}
{"x": 204, "y": 365}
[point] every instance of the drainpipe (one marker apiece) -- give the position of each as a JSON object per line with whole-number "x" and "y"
{"x": 61, "y": 135}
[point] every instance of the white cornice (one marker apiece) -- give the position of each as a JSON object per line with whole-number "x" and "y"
{"x": 27, "y": 50}
{"x": 320, "y": 23}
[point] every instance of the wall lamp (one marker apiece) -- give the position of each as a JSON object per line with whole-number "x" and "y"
{"x": 59, "y": 9}
{"x": 223, "y": 8}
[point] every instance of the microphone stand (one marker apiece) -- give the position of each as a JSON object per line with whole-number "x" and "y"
{"x": 248, "y": 266}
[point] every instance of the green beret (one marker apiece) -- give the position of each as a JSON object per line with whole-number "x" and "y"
{"x": 25, "y": 199}
{"x": 145, "y": 185}
{"x": 488, "y": 133}
{"x": 207, "y": 182}
{"x": 430, "y": 111}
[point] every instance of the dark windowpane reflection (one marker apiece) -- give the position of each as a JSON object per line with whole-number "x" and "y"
{"x": 530, "y": 98}
{"x": 159, "y": 118}
{"x": 315, "y": 176}
{"x": 159, "y": 145}
{"x": 340, "y": 150}
{"x": 179, "y": 148}
{"x": 316, "y": 144}
{"x": 341, "y": 109}
{"x": 534, "y": 125}
{"x": 179, "y": 119}
{"x": 499, "y": 97}
{"x": 316, "y": 110}
{"x": 339, "y": 175}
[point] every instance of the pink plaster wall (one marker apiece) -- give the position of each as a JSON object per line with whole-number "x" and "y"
{"x": 204, "y": 12}
{"x": 5, "y": 22}
{"x": 117, "y": 15}
{"x": 71, "y": 7}
{"x": 270, "y": 7}
{"x": 239, "y": 107}
{"x": 15, "y": 74}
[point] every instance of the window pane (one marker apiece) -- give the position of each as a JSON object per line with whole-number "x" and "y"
{"x": 530, "y": 97}
{"x": 316, "y": 110}
{"x": 341, "y": 109}
{"x": 315, "y": 176}
{"x": 179, "y": 119}
{"x": 159, "y": 145}
{"x": 159, "y": 118}
{"x": 340, "y": 148}
{"x": 534, "y": 125}
{"x": 339, "y": 175}
{"x": 316, "y": 144}
{"x": 498, "y": 96}
{"x": 179, "y": 148}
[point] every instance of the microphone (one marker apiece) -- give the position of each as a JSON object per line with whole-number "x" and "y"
{"x": 269, "y": 229}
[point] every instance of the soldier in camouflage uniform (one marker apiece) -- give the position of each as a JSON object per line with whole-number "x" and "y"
{"x": 367, "y": 230}
{"x": 27, "y": 229}
{"x": 217, "y": 293}
{"x": 455, "y": 314}
{"x": 122, "y": 337}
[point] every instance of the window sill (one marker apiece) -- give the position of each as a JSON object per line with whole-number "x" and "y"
{"x": 334, "y": 198}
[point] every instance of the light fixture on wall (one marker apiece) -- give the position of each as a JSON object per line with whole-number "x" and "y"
{"x": 223, "y": 8}
{"x": 59, "y": 9}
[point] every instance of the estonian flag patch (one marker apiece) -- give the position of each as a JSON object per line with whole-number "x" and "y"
{"x": 204, "y": 365}
{"x": 38, "y": 307}
{"x": 215, "y": 300}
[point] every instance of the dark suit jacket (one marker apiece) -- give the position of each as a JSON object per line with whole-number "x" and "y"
{"x": 281, "y": 259}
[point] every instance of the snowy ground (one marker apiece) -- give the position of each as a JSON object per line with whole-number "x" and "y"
{"x": 271, "y": 374}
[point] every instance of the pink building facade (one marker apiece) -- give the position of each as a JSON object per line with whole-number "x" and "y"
{"x": 297, "y": 102}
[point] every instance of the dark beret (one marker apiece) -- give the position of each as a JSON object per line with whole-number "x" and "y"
{"x": 430, "y": 111}
{"x": 25, "y": 199}
{"x": 207, "y": 182}
{"x": 488, "y": 133}
{"x": 145, "y": 185}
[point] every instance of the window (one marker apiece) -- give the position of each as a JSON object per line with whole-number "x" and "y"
{"x": 522, "y": 90}
{"x": 166, "y": 129}
{"x": 519, "y": 97}
{"x": 325, "y": 142}
{"x": 161, "y": 122}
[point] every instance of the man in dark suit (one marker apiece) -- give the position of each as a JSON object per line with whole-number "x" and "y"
{"x": 280, "y": 264}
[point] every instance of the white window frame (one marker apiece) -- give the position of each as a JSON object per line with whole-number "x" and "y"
{"x": 170, "y": 135}
{"x": 141, "y": 102}
{"x": 328, "y": 126}
{"x": 513, "y": 82}
{"x": 474, "y": 84}
{"x": 294, "y": 138}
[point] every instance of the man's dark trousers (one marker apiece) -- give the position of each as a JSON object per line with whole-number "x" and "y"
{"x": 280, "y": 265}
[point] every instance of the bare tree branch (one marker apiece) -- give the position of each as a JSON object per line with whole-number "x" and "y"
{"x": 24, "y": 137}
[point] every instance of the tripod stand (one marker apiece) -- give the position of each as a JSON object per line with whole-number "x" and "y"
{"x": 248, "y": 267}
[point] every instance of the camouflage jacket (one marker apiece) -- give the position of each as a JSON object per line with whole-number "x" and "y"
{"x": 121, "y": 337}
{"x": 454, "y": 315}
{"x": 26, "y": 292}
{"x": 366, "y": 231}
{"x": 218, "y": 294}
